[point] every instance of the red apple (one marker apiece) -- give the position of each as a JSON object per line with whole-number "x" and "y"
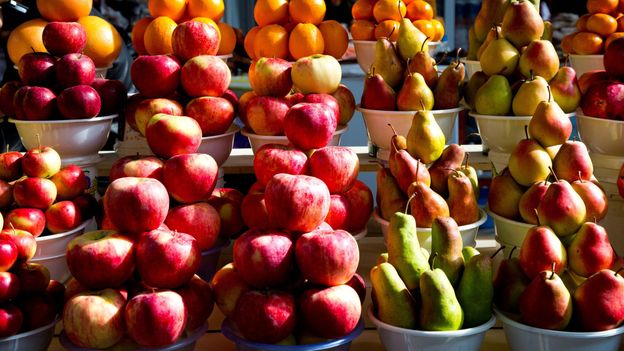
{"x": 75, "y": 69}
{"x": 137, "y": 166}
{"x": 283, "y": 197}
{"x": 62, "y": 216}
{"x": 205, "y": 75}
{"x": 197, "y": 297}
{"x": 254, "y": 211}
{"x": 7, "y": 93}
{"x": 6, "y": 194}
{"x": 72, "y": 288}
{"x": 8, "y": 255}
{"x": 41, "y": 161}
{"x": 11, "y": 319}
{"x": 271, "y": 77}
{"x": 604, "y": 99}
{"x": 129, "y": 111}
{"x": 272, "y": 159}
{"x": 214, "y": 114}
{"x": 37, "y": 69}
{"x": 34, "y": 192}
{"x": 588, "y": 79}
{"x": 326, "y": 99}
{"x": 87, "y": 204}
{"x": 265, "y": 316}
{"x": 167, "y": 259}
{"x": 31, "y": 220}
{"x": 33, "y": 277}
{"x": 265, "y": 115}
{"x": 79, "y": 102}
{"x": 294, "y": 98}
{"x": 156, "y": 319}
{"x": 231, "y": 194}
{"x": 113, "y": 94}
{"x": 56, "y": 291}
{"x": 346, "y": 103}
{"x": 9, "y": 285}
{"x": 39, "y": 103}
{"x": 336, "y": 166}
{"x": 257, "y": 188}
{"x": 352, "y": 210}
{"x": 199, "y": 220}
{"x": 145, "y": 198}
{"x": 229, "y": 95}
{"x": 70, "y": 182}
{"x": 613, "y": 58}
{"x": 242, "y": 106}
{"x": 168, "y": 135}
{"x": 190, "y": 177}
{"x": 61, "y": 38}
{"x": 229, "y": 209}
{"x": 18, "y": 102}
{"x": 10, "y": 165}
{"x": 359, "y": 285}
{"x": 95, "y": 319}
{"x": 25, "y": 242}
{"x": 227, "y": 286}
{"x": 38, "y": 310}
{"x": 264, "y": 258}
{"x": 155, "y": 75}
{"x": 310, "y": 125}
{"x": 194, "y": 38}
{"x": 331, "y": 312}
{"x": 147, "y": 108}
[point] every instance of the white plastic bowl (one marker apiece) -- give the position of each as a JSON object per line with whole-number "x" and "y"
{"x": 365, "y": 52}
{"x": 75, "y": 139}
{"x": 101, "y": 71}
{"x": 468, "y": 232}
{"x": 257, "y": 140}
{"x": 522, "y": 337}
{"x": 219, "y": 146}
{"x": 602, "y": 136}
{"x": 501, "y": 133}
{"x": 585, "y": 63}
{"x": 395, "y": 338}
{"x": 471, "y": 66}
{"x": 56, "y": 244}
{"x": 509, "y": 232}
{"x": 341, "y": 344}
{"x": 210, "y": 259}
{"x": 380, "y": 133}
{"x": 57, "y": 265}
{"x": 35, "y": 340}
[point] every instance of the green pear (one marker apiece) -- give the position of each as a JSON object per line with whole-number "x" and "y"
{"x": 404, "y": 250}
{"x": 425, "y": 139}
{"x": 562, "y": 209}
{"x": 504, "y": 195}
{"x": 389, "y": 198}
{"x": 468, "y": 252}
{"x": 590, "y": 250}
{"x": 491, "y": 11}
{"x": 394, "y": 302}
{"x": 470, "y": 89}
{"x": 533, "y": 91}
{"x": 473, "y": 44}
{"x": 462, "y": 202}
{"x": 529, "y": 162}
{"x": 451, "y": 159}
{"x": 440, "y": 310}
{"x": 546, "y": 302}
{"x": 565, "y": 90}
{"x": 424, "y": 64}
{"x": 410, "y": 40}
{"x": 415, "y": 94}
{"x": 383, "y": 257}
{"x": 447, "y": 245}
{"x": 387, "y": 63}
{"x": 539, "y": 57}
{"x": 476, "y": 292}
{"x": 522, "y": 23}
{"x": 493, "y": 33}
{"x": 499, "y": 57}
{"x": 471, "y": 173}
{"x": 494, "y": 97}
{"x": 449, "y": 90}
{"x": 548, "y": 31}
{"x": 549, "y": 124}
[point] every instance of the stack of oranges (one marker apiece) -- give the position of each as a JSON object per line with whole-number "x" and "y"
{"x": 292, "y": 29}
{"x": 374, "y": 19}
{"x": 152, "y": 35}
{"x": 596, "y": 29}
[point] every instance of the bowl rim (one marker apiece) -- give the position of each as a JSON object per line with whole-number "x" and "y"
{"x": 500, "y": 218}
{"x": 430, "y": 43}
{"x": 558, "y": 333}
{"x": 228, "y": 331}
{"x": 47, "y": 258}
{"x": 580, "y": 115}
{"x": 464, "y": 60}
{"x": 482, "y": 219}
{"x": 82, "y": 226}
{"x": 32, "y": 332}
{"x": 218, "y": 246}
{"x": 440, "y": 334}
{"x": 231, "y": 130}
{"x": 226, "y": 56}
{"x": 586, "y": 56}
{"x": 342, "y": 128}
{"x": 495, "y": 117}
{"x": 387, "y": 112}
{"x": 66, "y": 121}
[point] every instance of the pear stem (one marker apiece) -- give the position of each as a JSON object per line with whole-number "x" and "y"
{"x": 407, "y": 205}
{"x": 554, "y": 265}
{"x": 13, "y": 228}
{"x": 511, "y": 252}
{"x": 549, "y": 93}
{"x": 393, "y": 130}
{"x": 537, "y": 217}
{"x": 432, "y": 259}
{"x": 526, "y": 131}
{"x": 495, "y": 172}
{"x": 497, "y": 251}
{"x": 422, "y": 47}
{"x": 619, "y": 270}
{"x": 532, "y": 76}
{"x": 466, "y": 160}
{"x": 552, "y": 171}
{"x": 457, "y": 57}
{"x": 409, "y": 71}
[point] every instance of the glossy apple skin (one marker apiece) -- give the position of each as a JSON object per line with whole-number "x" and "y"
{"x": 331, "y": 312}
{"x": 198, "y": 300}
{"x": 137, "y": 166}
{"x": 10, "y": 165}
{"x": 6, "y": 195}
{"x": 7, "y": 93}
{"x": 194, "y": 38}
{"x": 9, "y": 286}
{"x": 70, "y": 182}
{"x": 227, "y": 286}
{"x": 25, "y": 242}
{"x": 254, "y": 211}
{"x": 38, "y": 104}
{"x": 41, "y": 161}
{"x": 37, "y": 69}
{"x": 75, "y": 69}
{"x": 205, "y": 75}
{"x": 351, "y": 210}
{"x": 336, "y": 166}
{"x": 346, "y": 102}
{"x": 155, "y": 75}
{"x": 310, "y": 125}
{"x": 190, "y": 177}
{"x": 326, "y": 99}
{"x": 214, "y": 114}
{"x": 200, "y": 220}
{"x": 265, "y": 114}
{"x": 316, "y": 74}
{"x": 8, "y": 254}
{"x": 229, "y": 210}
{"x": 79, "y": 102}
{"x": 61, "y": 38}
{"x": 34, "y": 192}
{"x": 272, "y": 159}
{"x": 33, "y": 277}
{"x": 31, "y": 220}
{"x": 168, "y": 136}
{"x": 271, "y": 77}
{"x": 11, "y": 319}
{"x": 265, "y": 316}
{"x": 63, "y": 216}
{"x": 147, "y": 108}
{"x": 112, "y": 93}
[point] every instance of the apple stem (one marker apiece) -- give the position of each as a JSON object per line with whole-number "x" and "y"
{"x": 432, "y": 259}
{"x": 549, "y": 93}
{"x": 13, "y": 228}
{"x": 537, "y": 217}
{"x": 38, "y": 139}
{"x": 619, "y": 270}
{"x": 552, "y": 171}
{"x": 554, "y": 265}
{"x": 511, "y": 252}
{"x": 526, "y": 131}
{"x": 422, "y": 47}
{"x": 497, "y": 251}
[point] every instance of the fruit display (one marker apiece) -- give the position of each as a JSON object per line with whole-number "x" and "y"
{"x": 381, "y": 19}
{"x": 596, "y": 29}
{"x": 292, "y": 29}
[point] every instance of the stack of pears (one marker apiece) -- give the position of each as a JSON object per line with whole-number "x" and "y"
{"x": 405, "y": 77}
{"x": 447, "y": 290}
{"x": 517, "y": 63}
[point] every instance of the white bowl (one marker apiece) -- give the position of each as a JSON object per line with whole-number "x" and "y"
{"x": 585, "y": 63}
{"x": 219, "y": 146}
{"x": 365, "y": 52}
{"x": 57, "y": 265}
{"x": 257, "y": 140}
{"x": 380, "y": 133}
{"x": 75, "y": 139}
{"x": 56, "y": 244}
{"x": 509, "y": 232}
{"x": 471, "y": 66}
{"x": 501, "y": 133}
{"x": 361, "y": 234}
{"x": 602, "y": 136}
{"x": 35, "y": 340}
{"x": 395, "y": 338}
{"x": 500, "y": 160}
{"x": 468, "y": 232}
{"x": 225, "y": 58}
{"x": 522, "y": 337}
{"x": 101, "y": 71}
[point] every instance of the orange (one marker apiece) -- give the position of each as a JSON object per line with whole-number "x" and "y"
{"x": 271, "y": 41}
{"x": 581, "y": 24}
{"x": 212, "y": 9}
{"x": 620, "y": 22}
{"x": 157, "y": 37}
{"x": 407, "y": 2}
{"x": 389, "y": 10}
{"x": 439, "y": 27}
{"x": 307, "y": 11}
{"x": 363, "y": 30}
{"x": 587, "y": 43}
{"x": 25, "y": 38}
{"x": 103, "y": 41}
{"x": 602, "y": 24}
{"x": 248, "y": 43}
{"x": 335, "y": 37}
{"x": 228, "y": 39}
{"x": 305, "y": 40}
{"x": 64, "y": 10}
{"x": 271, "y": 12}
{"x": 427, "y": 27}
{"x": 387, "y": 29}
{"x": 362, "y": 9}
{"x": 209, "y": 21}
{"x": 566, "y": 43}
{"x": 138, "y": 31}
{"x": 612, "y": 37}
{"x": 419, "y": 9}
{"x": 173, "y": 9}
{"x": 602, "y": 6}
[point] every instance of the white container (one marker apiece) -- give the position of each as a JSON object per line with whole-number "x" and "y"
{"x": 468, "y": 232}
{"x": 257, "y": 140}
{"x": 380, "y": 133}
{"x": 509, "y": 232}
{"x": 56, "y": 244}
{"x": 225, "y": 58}
{"x": 522, "y": 337}
{"x": 501, "y": 133}
{"x": 401, "y": 339}
{"x": 602, "y": 136}
{"x": 361, "y": 234}
{"x": 365, "y": 52}
{"x": 57, "y": 265}
{"x": 101, "y": 71}
{"x": 499, "y": 159}
{"x": 471, "y": 66}
{"x": 90, "y": 168}
{"x": 74, "y": 140}
{"x": 219, "y": 146}
{"x": 35, "y": 340}
{"x": 586, "y": 63}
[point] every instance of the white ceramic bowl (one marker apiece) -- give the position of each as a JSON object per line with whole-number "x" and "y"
{"x": 225, "y": 58}
{"x": 498, "y": 159}
{"x": 210, "y": 259}
{"x": 365, "y": 52}
{"x": 501, "y": 133}
{"x": 75, "y": 139}
{"x": 468, "y": 232}
{"x": 219, "y": 146}
{"x": 57, "y": 265}
{"x": 35, "y": 340}
{"x": 602, "y": 136}
{"x": 395, "y": 338}
{"x": 509, "y": 232}
{"x": 471, "y": 66}
{"x": 522, "y": 337}
{"x": 380, "y": 133}
{"x": 257, "y": 141}
{"x": 56, "y": 244}
{"x": 585, "y": 63}
{"x": 101, "y": 71}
